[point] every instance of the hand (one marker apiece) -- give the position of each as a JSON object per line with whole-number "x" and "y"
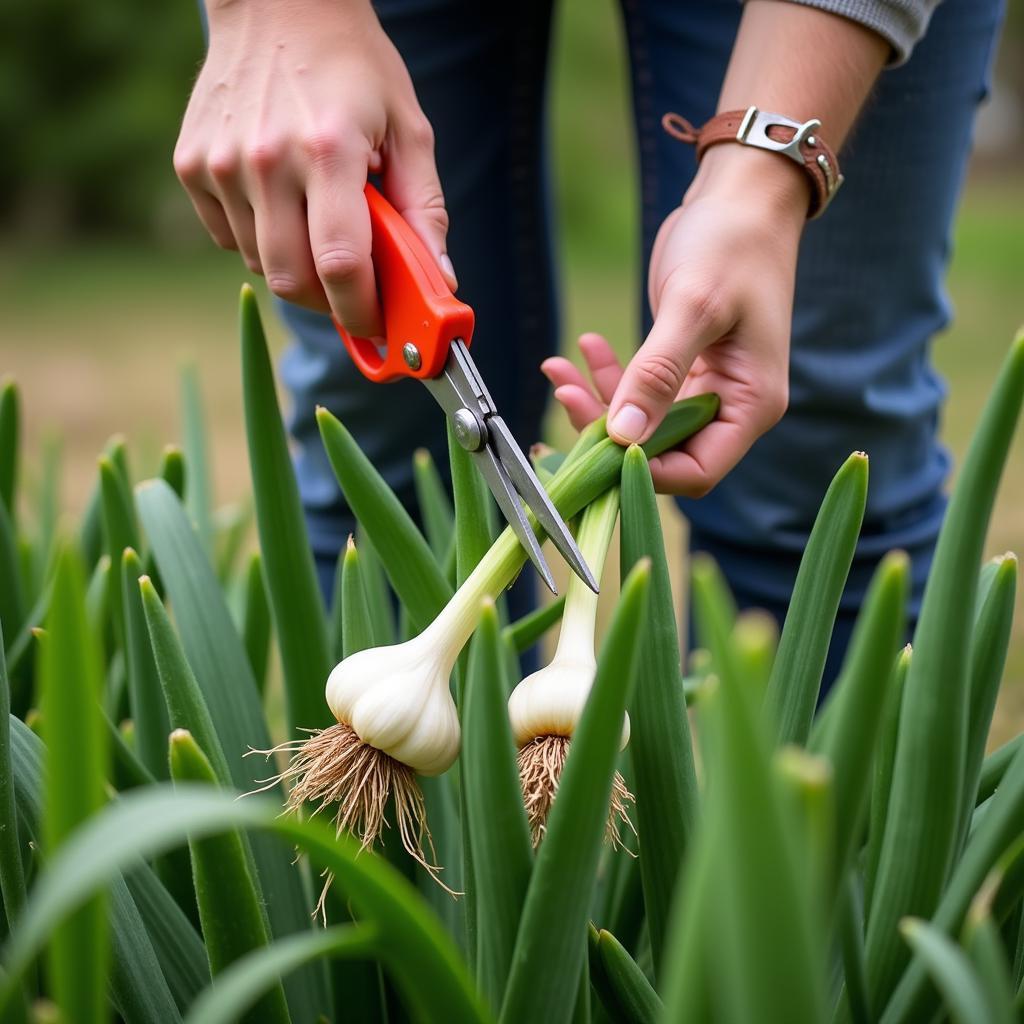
{"x": 296, "y": 103}
{"x": 721, "y": 290}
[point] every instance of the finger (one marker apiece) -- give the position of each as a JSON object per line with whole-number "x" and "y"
{"x": 190, "y": 167}
{"x": 213, "y": 218}
{"x": 602, "y": 363}
{"x": 414, "y": 188}
{"x": 243, "y": 227}
{"x": 654, "y": 376}
{"x": 339, "y": 234}
{"x": 560, "y": 371}
{"x": 704, "y": 460}
{"x": 224, "y": 182}
{"x": 282, "y": 234}
{"x": 580, "y": 404}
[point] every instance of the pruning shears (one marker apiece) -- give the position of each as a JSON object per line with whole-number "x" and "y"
{"x": 427, "y": 337}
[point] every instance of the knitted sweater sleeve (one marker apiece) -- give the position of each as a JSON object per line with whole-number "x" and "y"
{"x": 901, "y": 22}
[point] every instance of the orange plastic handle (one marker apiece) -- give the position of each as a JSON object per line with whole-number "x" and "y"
{"x": 418, "y": 306}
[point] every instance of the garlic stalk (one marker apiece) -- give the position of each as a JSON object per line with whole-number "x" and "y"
{"x": 545, "y": 708}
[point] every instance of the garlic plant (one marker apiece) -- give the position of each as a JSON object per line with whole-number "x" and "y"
{"x": 395, "y": 719}
{"x": 395, "y": 715}
{"x": 545, "y": 707}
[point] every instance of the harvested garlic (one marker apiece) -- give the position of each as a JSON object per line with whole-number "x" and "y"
{"x": 397, "y": 699}
{"x": 395, "y": 719}
{"x": 545, "y": 708}
{"x": 550, "y": 701}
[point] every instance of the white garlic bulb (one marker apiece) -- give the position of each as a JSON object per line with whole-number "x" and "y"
{"x": 550, "y": 701}
{"x": 397, "y": 699}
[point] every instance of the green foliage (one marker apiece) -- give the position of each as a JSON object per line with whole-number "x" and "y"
{"x": 764, "y": 895}
{"x": 240, "y": 985}
{"x": 474, "y": 509}
{"x": 850, "y": 738}
{"x": 435, "y": 506}
{"x": 88, "y": 111}
{"x": 10, "y": 430}
{"x": 76, "y": 767}
{"x": 299, "y": 617}
{"x": 623, "y": 987}
{"x": 158, "y": 964}
{"x": 952, "y": 971}
{"x": 412, "y": 569}
{"x": 256, "y": 622}
{"x": 922, "y": 825}
{"x": 145, "y": 697}
{"x": 198, "y": 494}
{"x": 12, "y": 871}
{"x": 796, "y": 675}
{"x": 229, "y": 902}
{"x": 172, "y": 469}
{"x": 661, "y": 752}
{"x": 500, "y": 837}
{"x": 797, "y": 839}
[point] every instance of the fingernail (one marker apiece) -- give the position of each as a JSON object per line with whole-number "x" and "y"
{"x": 629, "y": 423}
{"x": 446, "y": 266}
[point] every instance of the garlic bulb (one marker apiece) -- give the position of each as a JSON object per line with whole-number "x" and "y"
{"x": 550, "y": 701}
{"x": 397, "y": 700}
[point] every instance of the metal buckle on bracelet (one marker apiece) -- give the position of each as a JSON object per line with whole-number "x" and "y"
{"x": 753, "y": 131}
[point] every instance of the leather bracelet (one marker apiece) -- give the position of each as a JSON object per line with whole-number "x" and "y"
{"x": 774, "y": 133}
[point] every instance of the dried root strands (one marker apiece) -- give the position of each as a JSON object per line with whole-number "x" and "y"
{"x": 545, "y": 707}
{"x": 540, "y": 764}
{"x": 334, "y": 770}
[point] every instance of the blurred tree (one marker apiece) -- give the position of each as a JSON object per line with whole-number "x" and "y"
{"x": 90, "y": 98}
{"x": 91, "y": 95}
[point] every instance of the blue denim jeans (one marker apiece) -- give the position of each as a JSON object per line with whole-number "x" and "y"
{"x": 869, "y": 292}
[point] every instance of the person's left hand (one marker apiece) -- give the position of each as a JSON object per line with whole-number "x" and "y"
{"x": 721, "y": 289}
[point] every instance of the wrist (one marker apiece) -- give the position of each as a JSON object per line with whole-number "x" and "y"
{"x": 759, "y": 180}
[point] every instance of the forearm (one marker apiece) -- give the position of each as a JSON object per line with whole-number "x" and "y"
{"x": 801, "y": 62}
{"x": 287, "y": 8}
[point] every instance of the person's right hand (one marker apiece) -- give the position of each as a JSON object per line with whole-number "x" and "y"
{"x": 296, "y": 103}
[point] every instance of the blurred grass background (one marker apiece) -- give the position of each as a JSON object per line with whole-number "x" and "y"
{"x": 107, "y": 284}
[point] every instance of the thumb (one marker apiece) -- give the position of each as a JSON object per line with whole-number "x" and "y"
{"x": 649, "y": 385}
{"x": 414, "y": 189}
{"x": 655, "y": 375}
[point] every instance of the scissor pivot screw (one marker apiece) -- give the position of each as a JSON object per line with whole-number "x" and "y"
{"x": 411, "y": 355}
{"x": 469, "y": 432}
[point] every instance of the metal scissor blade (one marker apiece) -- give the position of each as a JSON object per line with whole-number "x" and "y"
{"x": 461, "y": 392}
{"x": 508, "y": 501}
{"x": 526, "y": 483}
